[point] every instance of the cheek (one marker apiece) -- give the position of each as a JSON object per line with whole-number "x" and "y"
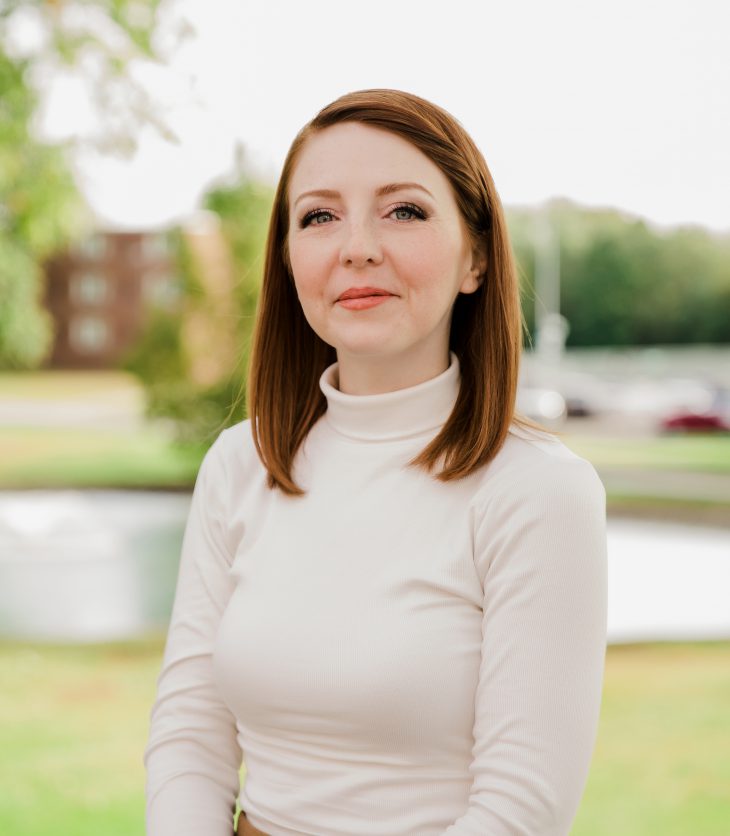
{"x": 310, "y": 301}
{"x": 310, "y": 283}
{"x": 307, "y": 266}
{"x": 431, "y": 267}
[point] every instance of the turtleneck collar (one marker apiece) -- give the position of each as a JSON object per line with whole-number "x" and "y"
{"x": 391, "y": 415}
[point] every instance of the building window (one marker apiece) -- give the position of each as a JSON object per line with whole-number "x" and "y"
{"x": 94, "y": 246}
{"x": 89, "y": 289}
{"x": 160, "y": 289}
{"x": 154, "y": 246}
{"x": 88, "y": 334}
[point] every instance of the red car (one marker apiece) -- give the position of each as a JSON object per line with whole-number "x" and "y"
{"x": 695, "y": 422}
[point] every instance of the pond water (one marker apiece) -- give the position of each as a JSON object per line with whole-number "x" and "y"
{"x": 101, "y": 565}
{"x": 88, "y": 565}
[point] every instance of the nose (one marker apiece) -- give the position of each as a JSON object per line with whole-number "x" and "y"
{"x": 360, "y": 246}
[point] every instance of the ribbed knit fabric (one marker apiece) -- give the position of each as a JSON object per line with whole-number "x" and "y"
{"x": 391, "y": 655}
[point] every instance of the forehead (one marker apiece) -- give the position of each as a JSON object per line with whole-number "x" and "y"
{"x": 355, "y": 155}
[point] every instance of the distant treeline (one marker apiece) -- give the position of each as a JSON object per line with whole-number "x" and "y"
{"x": 623, "y": 282}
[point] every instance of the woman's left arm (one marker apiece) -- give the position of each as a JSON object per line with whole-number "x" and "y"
{"x": 540, "y": 548}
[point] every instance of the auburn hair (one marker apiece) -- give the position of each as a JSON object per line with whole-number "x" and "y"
{"x": 288, "y": 357}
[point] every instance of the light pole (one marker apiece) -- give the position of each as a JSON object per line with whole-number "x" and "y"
{"x": 551, "y": 326}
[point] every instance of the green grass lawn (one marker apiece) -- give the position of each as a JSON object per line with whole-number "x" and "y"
{"x": 704, "y": 453}
{"x": 74, "y": 722}
{"x": 75, "y": 725}
{"x": 662, "y": 759}
{"x": 78, "y": 457}
{"x": 40, "y": 457}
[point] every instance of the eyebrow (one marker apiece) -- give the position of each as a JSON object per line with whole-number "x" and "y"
{"x": 382, "y": 190}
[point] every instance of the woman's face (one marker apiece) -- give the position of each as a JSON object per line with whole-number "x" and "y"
{"x": 371, "y": 214}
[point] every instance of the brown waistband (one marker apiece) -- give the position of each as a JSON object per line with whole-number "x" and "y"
{"x": 245, "y": 828}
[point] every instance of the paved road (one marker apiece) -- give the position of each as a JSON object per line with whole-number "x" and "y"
{"x": 115, "y": 408}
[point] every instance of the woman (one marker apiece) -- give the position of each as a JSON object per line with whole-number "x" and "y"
{"x": 392, "y": 592}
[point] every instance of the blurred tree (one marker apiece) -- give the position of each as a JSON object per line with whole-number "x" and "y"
{"x": 41, "y": 209}
{"x": 244, "y": 206}
{"x": 625, "y": 283}
{"x": 193, "y": 363}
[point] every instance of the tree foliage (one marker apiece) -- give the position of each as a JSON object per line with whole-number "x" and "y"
{"x": 162, "y": 358}
{"x": 41, "y": 209}
{"x": 625, "y": 283}
{"x": 243, "y": 206}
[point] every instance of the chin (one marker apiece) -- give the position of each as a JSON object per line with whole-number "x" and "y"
{"x": 372, "y": 344}
{"x": 374, "y": 349}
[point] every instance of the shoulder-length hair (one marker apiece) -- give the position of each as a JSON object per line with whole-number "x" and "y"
{"x": 288, "y": 357}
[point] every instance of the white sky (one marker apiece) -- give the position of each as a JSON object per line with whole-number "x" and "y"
{"x": 623, "y": 103}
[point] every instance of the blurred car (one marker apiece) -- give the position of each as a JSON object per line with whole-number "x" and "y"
{"x": 578, "y": 406}
{"x": 685, "y": 421}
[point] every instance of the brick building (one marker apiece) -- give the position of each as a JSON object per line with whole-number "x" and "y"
{"x": 98, "y": 292}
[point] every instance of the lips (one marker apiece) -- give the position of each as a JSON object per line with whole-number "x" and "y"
{"x": 360, "y": 292}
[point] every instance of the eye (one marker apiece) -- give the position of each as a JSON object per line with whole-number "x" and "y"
{"x": 408, "y": 212}
{"x": 316, "y": 217}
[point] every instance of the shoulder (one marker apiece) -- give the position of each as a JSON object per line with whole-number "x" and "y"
{"x": 538, "y": 504}
{"x": 232, "y": 485}
{"x": 232, "y": 460}
{"x": 235, "y": 445}
{"x": 536, "y": 467}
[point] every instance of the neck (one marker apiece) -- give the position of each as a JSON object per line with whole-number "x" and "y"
{"x": 359, "y": 375}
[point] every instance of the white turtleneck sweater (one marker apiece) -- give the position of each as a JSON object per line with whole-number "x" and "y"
{"x": 389, "y": 655}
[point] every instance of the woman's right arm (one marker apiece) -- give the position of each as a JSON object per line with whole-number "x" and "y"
{"x": 192, "y": 756}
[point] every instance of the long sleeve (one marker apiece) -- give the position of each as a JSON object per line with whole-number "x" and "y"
{"x": 540, "y": 547}
{"x": 193, "y": 757}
